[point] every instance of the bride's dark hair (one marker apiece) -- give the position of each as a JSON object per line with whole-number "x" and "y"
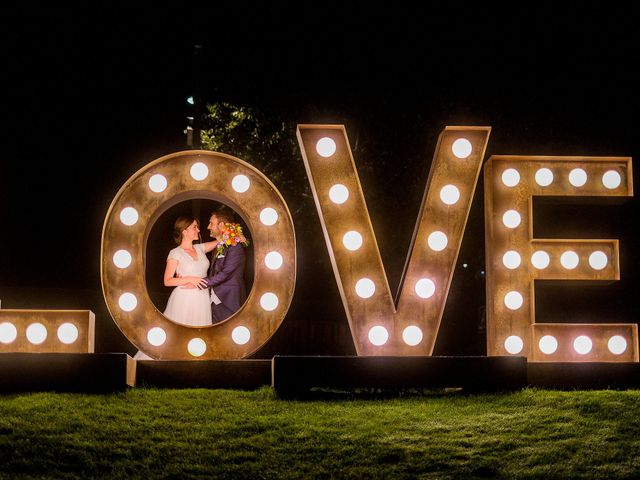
{"x": 181, "y": 223}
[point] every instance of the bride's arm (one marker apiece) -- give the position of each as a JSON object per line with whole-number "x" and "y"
{"x": 170, "y": 280}
{"x": 208, "y": 246}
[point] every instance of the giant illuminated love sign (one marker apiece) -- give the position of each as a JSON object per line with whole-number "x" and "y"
{"x": 379, "y": 324}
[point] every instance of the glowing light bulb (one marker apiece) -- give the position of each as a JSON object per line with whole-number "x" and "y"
{"x": 582, "y": 345}
{"x": 510, "y": 177}
{"x": 540, "y": 259}
{"x": 8, "y": 332}
{"x": 338, "y": 194}
{"x": 241, "y": 335}
{"x": 511, "y": 219}
{"x": 240, "y": 183}
{"x": 156, "y": 336}
{"x": 378, "y": 335}
{"x": 450, "y": 194}
{"x": 365, "y": 288}
{"x": 128, "y": 302}
{"x": 577, "y": 177}
{"x": 513, "y": 300}
{"x": 269, "y": 301}
{"x": 196, "y": 347}
{"x": 199, "y": 171}
{"x": 273, "y": 260}
{"x": 617, "y": 345}
{"x": 511, "y": 259}
{"x": 461, "y": 148}
{"x": 158, "y": 183}
{"x": 67, "y": 333}
{"x": 569, "y": 260}
{"x": 611, "y": 179}
{"x": 412, "y": 335}
{"x": 598, "y": 260}
{"x": 129, "y": 216}
{"x": 122, "y": 259}
{"x": 36, "y": 333}
{"x": 513, "y": 344}
{"x": 437, "y": 241}
{"x": 352, "y": 240}
{"x": 425, "y": 288}
{"x": 268, "y": 216}
{"x": 548, "y": 344}
{"x": 326, "y": 147}
{"x": 544, "y": 177}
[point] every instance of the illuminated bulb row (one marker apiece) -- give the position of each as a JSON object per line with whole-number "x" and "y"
{"x": 199, "y": 171}
{"x": 197, "y": 346}
{"x": 339, "y": 194}
{"x": 582, "y": 344}
{"x": 273, "y": 260}
{"x": 540, "y": 259}
{"x": 326, "y": 147}
{"x": 424, "y": 288}
{"x": 379, "y": 335}
{"x": 37, "y": 333}
{"x": 129, "y": 216}
{"x": 128, "y": 301}
{"x": 611, "y": 179}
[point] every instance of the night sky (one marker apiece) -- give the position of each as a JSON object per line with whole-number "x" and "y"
{"x": 93, "y": 94}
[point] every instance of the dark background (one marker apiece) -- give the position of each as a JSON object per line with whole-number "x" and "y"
{"x": 92, "y": 94}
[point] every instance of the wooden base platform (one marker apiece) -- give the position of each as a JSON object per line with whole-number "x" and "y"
{"x": 66, "y": 372}
{"x": 240, "y": 374}
{"x": 583, "y": 376}
{"x": 297, "y": 375}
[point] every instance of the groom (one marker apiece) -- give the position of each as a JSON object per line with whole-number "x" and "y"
{"x": 226, "y": 273}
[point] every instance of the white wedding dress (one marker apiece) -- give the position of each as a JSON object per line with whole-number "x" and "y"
{"x": 188, "y": 306}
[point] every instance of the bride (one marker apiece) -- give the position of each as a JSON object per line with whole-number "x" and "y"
{"x": 187, "y": 265}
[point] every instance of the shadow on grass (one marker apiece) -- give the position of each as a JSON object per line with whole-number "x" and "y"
{"x": 333, "y": 394}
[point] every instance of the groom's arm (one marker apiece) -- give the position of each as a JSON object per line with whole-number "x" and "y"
{"x": 235, "y": 260}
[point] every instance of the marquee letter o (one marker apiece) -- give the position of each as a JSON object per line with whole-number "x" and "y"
{"x": 150, "y": 192}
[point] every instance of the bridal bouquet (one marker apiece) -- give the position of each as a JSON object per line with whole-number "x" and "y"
{"x": 232, "y": 235}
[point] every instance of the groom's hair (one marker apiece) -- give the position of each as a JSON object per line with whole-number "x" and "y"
{"x": 224, "y": 214}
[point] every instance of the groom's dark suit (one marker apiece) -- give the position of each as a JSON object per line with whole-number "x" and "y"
{"x": 226, "y": 277}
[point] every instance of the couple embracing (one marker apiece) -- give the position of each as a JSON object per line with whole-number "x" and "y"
{"x": 205, "y": 292}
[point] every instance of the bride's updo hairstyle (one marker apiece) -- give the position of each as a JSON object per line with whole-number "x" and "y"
{"x": 182, "y": 223}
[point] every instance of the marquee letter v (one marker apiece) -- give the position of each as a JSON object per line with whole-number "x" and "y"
{"x": 379, "y": 325}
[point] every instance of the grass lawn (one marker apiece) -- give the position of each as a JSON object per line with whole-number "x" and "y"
{"x": 148, "y": 433}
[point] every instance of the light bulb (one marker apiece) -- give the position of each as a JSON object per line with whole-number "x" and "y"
{"x": 412, "y": 335}
{"x": 241, "y": 335}
{"x": 156, "y": 336}
{"x": 326, "y": 147}
{"x": 158, "y": 183}
{"x": 378, "y": 335}
{"x": 199, "y": 171}
{"x": 365, "y": 288}
{"x": 510, "y": 177}
{"x": 240, "y": 183}
{"x": 338, "y": 194}
{"x": 461, "y": 148}
{"x": 513, "y": 344}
